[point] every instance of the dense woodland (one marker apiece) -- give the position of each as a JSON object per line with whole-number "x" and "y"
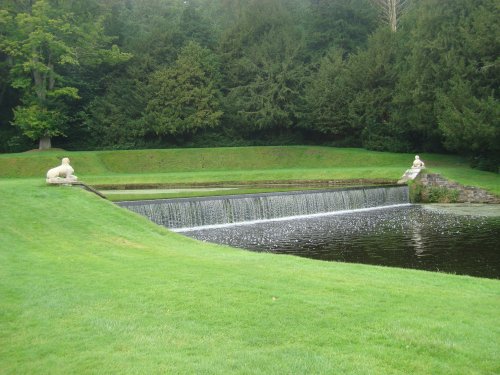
{"x": 422, "y": 75}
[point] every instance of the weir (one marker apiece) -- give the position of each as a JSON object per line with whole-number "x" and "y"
{"x": 189, "y": 213}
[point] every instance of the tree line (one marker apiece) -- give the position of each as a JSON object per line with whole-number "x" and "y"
{"x": 395, "y": 75}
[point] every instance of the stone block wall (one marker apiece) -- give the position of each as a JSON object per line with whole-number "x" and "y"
{"x": 464, "y": 194}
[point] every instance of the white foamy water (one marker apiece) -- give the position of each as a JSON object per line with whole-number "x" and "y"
{"x": 286, "y": 218}
{"x": 213, "y": 212}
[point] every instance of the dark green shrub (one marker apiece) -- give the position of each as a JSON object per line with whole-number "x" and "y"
{"x": 441, "y": 195}
{"x": 416, "y": 190}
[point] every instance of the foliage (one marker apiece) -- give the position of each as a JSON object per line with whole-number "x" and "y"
{"x": 263, "y": 71}
{"x": 391, "y": 11}
{"x": 439, "y": 195}
{"x": 469, "y": 124}
{"x": 373, "y": 73}
{"x": 328, "y": 96}
{"x": 445, "y": 44}
{"x": 36, "y": 45}
{"x": 115, "y": 120}
{"x": 339, "y": 25}
{"x": 194, "y": 26}
{"x": 295, "y": 71}
{"x": 415, "y": 190}
{"x": 40, "y": 41}
{"x": 37, "y": 122}
{"x": 185, "y": 97}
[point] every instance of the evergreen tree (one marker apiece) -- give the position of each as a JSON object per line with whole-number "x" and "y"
{"x": 194, "y": 26}
{"x": 263, "y": 67}
{"x": 114, "y": 117}
{"x": 254, "y": 70}
{"x": 328, "y": 96}
{"x": 374, "y": 75}
{"x": 339, "y": 24}
{"x": 185, "y": 98}
{"x": 445, "y": 43}
{"x": 471, "y": 125}
{"x": 468, "y": 106}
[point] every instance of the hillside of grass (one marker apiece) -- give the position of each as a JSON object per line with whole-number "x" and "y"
{"x": 196, "y": 160}
{"x": 88, "y": 287}
{"x": 239, "y": 165}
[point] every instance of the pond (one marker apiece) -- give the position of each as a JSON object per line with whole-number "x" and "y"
{"x": 461, "y": 239}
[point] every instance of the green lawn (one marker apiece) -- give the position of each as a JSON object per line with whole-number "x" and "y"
{"x": 88, "y": 287}
{"x": 202, "y": 160}
{"x": 240, "y": 164}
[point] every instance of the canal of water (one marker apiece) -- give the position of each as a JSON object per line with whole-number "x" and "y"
{"x": 461, "y": 239}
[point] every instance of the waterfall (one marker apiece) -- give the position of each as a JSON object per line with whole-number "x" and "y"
{"x": 188, "y": 213}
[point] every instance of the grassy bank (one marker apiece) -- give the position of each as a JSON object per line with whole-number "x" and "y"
{"x": 179, "y": 161}
{"x": 239, "y": 164}
{"x": 87, "y": 287}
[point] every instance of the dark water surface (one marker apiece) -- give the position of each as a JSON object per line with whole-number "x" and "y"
{"x": 408, "y": 237}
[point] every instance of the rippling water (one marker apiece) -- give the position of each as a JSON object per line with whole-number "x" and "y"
{"x": 408, "y": 237}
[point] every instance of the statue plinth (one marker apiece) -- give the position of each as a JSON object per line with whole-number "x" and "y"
{"x": 409, "y": 175}
{"x": 62, "y": 180}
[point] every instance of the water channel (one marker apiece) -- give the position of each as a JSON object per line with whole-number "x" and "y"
{"x": 372, "y": 226}
{"x": 409, "y": 237}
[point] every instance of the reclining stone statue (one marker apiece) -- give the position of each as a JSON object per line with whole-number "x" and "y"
{"x": 62, "y": 174}
{"x": 417, "y": 163}
{"x": 413, "y": 172}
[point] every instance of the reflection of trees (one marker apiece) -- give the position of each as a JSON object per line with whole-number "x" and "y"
{"x": 416, "y": 238}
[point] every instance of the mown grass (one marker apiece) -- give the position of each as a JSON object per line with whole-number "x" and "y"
{"x": 239, "y": 164}
{"x": 87, "y": 287}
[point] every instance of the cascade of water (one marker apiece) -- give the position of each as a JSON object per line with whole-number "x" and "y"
{"x": 198, "y": 212}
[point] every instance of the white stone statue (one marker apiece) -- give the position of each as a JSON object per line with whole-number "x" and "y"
{"x": 417, "y": 163}
{"x": 413, "y": 172}
{"x": 62, "y": 174}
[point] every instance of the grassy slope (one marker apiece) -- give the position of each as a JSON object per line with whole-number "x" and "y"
{"x": 198, "y": 160}
{"x": 239, "y": 164}
{"x": 86, "y": 287}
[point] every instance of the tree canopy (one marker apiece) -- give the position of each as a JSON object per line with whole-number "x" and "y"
{"x": 412, "y": 75}
{"x": 39, "y": 42}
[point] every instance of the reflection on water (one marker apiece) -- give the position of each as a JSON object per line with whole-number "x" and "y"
{"x": 409, "y": 237}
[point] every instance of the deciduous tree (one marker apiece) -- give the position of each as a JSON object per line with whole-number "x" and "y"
{"x": 42, "y": 40}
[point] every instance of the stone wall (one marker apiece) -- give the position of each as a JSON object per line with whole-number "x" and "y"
{"x": 460, "y": 193}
